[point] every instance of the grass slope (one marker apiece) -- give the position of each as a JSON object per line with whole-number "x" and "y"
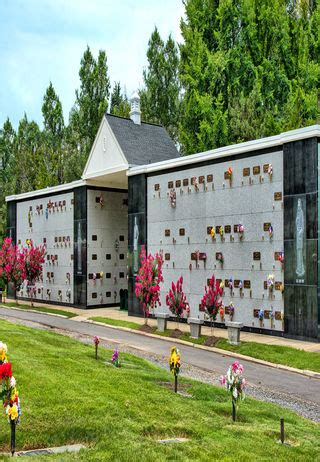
{"x": 275, "y": 354}
{"x": 67, "y": 397}
{"x": 42, "y": 309}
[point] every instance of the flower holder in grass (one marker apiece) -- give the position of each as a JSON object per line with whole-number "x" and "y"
{"x": 96, "y": 342}
{"x": 175, "y": 365}
{"x": 115, "y": 358}
{"x": 9, "y": 395}
{"x": 235, "y": 384}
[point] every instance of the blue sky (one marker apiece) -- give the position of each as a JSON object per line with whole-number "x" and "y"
{"x": 43, "y": 40}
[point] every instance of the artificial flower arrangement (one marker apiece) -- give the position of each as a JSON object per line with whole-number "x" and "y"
{"x": 96, "y": 342}
{"x": 270, "y": 231}
{"x": 176, "y": 299}
{"x": 221, "y": 313}
{"x": 148, "y": 279}
{"x": 221, "y": 231}
{"x": 231, "y": 311}
{"x": 270, "y": 282}
{"x": 9, "y": 393}
{"x": 195, "y": 183}
{"x": 240, "y": 230}
{"x": 175, "y": 364}
{"x": 230, "y": 284}
{"x": 270, "y": 171}
{"x": 211, "y": 302}
{"x": 115, "y": 358}
{"x": 219, "y": 257}
{"x": 235, "y": 384}
{"x": 241, "y": 286}
{"x": 261, "y": 316}
{"x": 101, "y": 200}
{"x": 281, "y": 258}
{"x": 230, "y": 174}
{"x": 173, "y": 198}
{"x": 213, "y": 232}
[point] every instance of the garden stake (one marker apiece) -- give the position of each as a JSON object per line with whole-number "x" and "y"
{"x": 234, "y": 411}
{"x": 96, "y": 351}
{"x": 175, "y": 383}
{"x": 282, "y": 430}
{"x": 13, "y": 436}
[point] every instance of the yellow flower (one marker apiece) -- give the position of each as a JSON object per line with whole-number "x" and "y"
{"x": 213, "y": 232}
{"x": 221, "y": 230}
{"x": 174, "y": 359}
{"x": 13, "y": 412}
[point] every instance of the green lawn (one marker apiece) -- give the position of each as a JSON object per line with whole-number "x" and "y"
{"x": 275, "y": 354}
{"x": 68, "y": 397}
{"x": 42, "y": 309}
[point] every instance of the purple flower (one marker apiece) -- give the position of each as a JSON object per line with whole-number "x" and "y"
{"x": 115, "y": 356}
{"x": 96, "y": 340}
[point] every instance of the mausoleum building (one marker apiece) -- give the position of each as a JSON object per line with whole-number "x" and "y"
{"x": 247, "y": 213}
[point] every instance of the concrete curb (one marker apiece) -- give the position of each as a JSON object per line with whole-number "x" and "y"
{"x": 232, "y": 354}
{"x": 24, "y": 310}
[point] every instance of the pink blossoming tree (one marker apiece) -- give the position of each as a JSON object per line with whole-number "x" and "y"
{"x": 33, "y": 261}
{"x": 176, "y": 299}
{"x": 211, "y": 301}
{"x": 148, "y": 279}
{"x": 12, "y": 264}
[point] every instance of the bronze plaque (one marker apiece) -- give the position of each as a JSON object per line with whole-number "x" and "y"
{"x": 266, "y": 314}
{"x": 194, "y": 256}
{"x": 256, "y": 170}
{"x": 277, "y": 285}
{"x": 170, "y": 184}
{"x": 227, "y": 175}
{"x": 178, "y": 183}
{"x": 277, "y": 315}
{"x": 255, "y": 313}
{"x": 209, "y": 178}
{"x": 266, "y": 226}
{"x": 167, "y": 256}
{"x": 193, "y": 179}
{"x": 226, "y": 283}
{"x": 182, "y": 232}
{"x": 167, "y": 232}
{"x": 217, "y": 229}
{"x": 246, "y": 171}
{"x": 265, "y": 285}
{"x": 265, "y": 168}
{"x": 227, "y": 229}
{"x": 278, "y": 196}
{"x": 209, "y": 228}
{"x": 226, "y": 309}
{"x": 202, "y": 256}
{"x": 235, "y": 228}
{"x": 185, "y": 182}
{"x": 208, "y": 281}
{"x": 201, "y": 179}
{"x": 236, "y": 283}
{"x": 246, "y": 284}
{"x": 256, "y": 255}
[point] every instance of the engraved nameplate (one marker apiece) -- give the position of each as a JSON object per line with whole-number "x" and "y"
{"x": 246, "y": 171}
{"x": 277, "y": 315}
{"x": 201, "y": 179}
{"x": 246, "y": 284}
{"x": 170, "y": 184}
{"x": 178, "y": 183}
{"x": 227, "y": 229}
{"x": 256, "y": 255}
{"x": 265, "y": 168}
{"x": 266, "y": 226}
{"x": 255, "y": 313}
{"x": 278, "y": 196}
{"x": 182, "y": 232}
{"x": 209, "y": 228}
{"x": 256, "y": 170}
{"x": 277, "y": 285}
{"x": 167, "y": 256}
{"x": 185, "y": 182}
{"x": 209, "y": 178}
{"x": 167, "y": 232}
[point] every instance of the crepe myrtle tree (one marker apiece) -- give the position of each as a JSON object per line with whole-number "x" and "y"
{"x": 33, "y": 261}
{"x": 148, "y": 279}
{"x": 176, "y": 299}
{"x": 211, "y": 301}
{"x": 12, "y": 265}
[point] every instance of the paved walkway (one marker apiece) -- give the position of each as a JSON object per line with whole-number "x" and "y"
{"x": 115, "y": 313}
{"x": 286, "y": 382}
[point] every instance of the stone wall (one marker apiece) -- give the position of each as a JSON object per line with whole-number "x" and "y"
{"x": 254, "y": 199}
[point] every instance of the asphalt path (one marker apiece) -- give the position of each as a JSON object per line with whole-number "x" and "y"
{"x": 296, "y": 385}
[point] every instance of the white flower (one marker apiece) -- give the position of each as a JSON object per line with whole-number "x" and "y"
{"x": 12, "y": 382}
{"x": 235, "y": 393}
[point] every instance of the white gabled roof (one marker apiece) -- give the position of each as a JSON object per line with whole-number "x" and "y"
{"x": 232, "y": 150}
{"x": 49, "y": 190}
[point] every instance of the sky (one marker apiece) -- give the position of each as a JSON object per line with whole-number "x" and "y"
{"x": 44, "y": 40}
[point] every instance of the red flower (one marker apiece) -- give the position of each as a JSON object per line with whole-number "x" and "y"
{"x": 5, "y": 370}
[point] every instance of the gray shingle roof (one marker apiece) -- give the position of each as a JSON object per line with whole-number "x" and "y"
{"x": 142, "y": 144}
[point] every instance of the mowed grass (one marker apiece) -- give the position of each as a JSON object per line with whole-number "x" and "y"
{"x": 42, "y": 309}
{"x": 287, "y": 356}
{"x": 120, "y": 413}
